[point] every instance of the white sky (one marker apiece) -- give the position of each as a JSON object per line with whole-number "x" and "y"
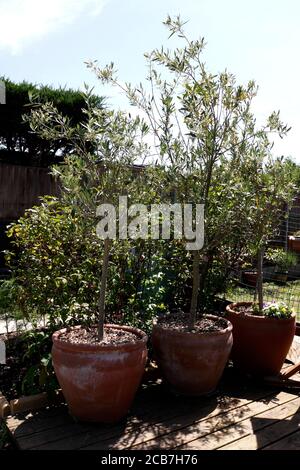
{"x": 47, "y": 42}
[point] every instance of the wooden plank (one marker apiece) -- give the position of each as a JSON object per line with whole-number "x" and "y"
{"x": 290, "y": 371}
{"x": 170, "y": 408}
{"x": 294, "y": 352}
{"x": 144, "y": 411}
{"x": 214, "y": 433}
{"x": 280, "y": 430}
{"x": 166, "y": 435}
{"x": 30, "y": 423}
{"x": 76, "y": 438}
{"x": 254, "y": 430}
{"x": 290, "y": 442}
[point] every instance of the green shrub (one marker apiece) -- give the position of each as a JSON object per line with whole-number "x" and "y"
{"x": 56, "y": 265}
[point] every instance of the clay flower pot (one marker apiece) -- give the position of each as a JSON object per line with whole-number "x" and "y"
{"x": 249, "y": 278}
{"x": 294, "y": 244}
{"x": 192, "y": 362}
{"x": 260, "y": 344}
{"x": 99, "y": 381}
{"x": 280, "y": 276}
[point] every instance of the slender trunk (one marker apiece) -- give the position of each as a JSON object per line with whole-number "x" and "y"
{"x": 259, "y": 284}
{"x": 195, "y": 292}
{"x": 101, "y": 311}
{"x": 6, "y": 325}
{"x": 203, "y": 275}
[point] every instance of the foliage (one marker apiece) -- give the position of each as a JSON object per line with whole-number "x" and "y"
{"x": 62, "y": 284}
{"x": 18, "y": 144}
{"x": 39, "y": 376}
{"x": 273, "y": 192}
{"x": 9, "y": 295}
{"x": 273, "y": 310}
{"x": 89, "y": 179}
{"x": 10, "y": 300}
{"x": 283, "y": 259}
{"x": 207, "y": 150}
{"x": 288, "y": 293}
{"x": 206, "y": 138}
{"x": 277, "y": 310}
{"x": 62, "y": 275}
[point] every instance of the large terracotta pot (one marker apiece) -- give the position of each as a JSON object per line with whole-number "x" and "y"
{"x": 294, "y": 244}
{"x": 249, "y": 278}
{"x": 192, "y": 363}
{"x": 260, "y": 344}
{"x": 99, "y": 381}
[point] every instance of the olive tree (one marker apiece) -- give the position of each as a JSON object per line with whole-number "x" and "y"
{"x": 204, "y": 136}
{"x": 271, "y": 182}
{"x": 90, "y": 179}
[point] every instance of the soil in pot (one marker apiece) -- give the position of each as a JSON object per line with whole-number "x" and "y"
{"x": 99, "y": 379}
{"x": 192, "y": 362}
{"x": 260, "y": 344}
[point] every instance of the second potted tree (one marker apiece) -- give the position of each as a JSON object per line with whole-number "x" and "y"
{"x": 205, "y": 141}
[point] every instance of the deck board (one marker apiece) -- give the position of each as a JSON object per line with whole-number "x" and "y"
{"x": 242, "y": 415}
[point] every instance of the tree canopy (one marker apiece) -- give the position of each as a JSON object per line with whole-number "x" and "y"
{"x": 18, "y": 143}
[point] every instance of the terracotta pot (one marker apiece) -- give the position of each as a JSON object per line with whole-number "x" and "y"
{"x": 280, "y": 276}
{"x": 192, "y": 363}
{"x": 249, "y": 278}
{"x": 260, "y": 344}
{"x": 99, "y": 381}
{"x": 294, "y": 244}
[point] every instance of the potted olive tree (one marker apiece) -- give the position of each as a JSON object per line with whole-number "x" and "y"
{"x": 204, "y": 139}
{"x": 99, "y": 367}
{"x": 263, "y": 332}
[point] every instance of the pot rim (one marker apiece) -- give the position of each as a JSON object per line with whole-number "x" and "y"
{"x": 142, "y": 339}
{"x": 226, "y": 330}
{"x": 230, "y": 308}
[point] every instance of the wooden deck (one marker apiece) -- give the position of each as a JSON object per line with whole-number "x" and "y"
{"x": 241, "y": 415}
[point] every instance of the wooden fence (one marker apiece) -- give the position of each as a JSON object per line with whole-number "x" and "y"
{"x": 21, "y": 187}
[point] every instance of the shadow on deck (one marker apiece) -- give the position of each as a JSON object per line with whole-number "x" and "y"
{"x": 242, "y": 414}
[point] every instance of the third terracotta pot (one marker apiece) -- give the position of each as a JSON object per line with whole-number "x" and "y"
{"x": 260, "y": 344}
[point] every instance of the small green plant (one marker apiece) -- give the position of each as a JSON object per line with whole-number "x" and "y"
{"x": 296, "y": 234}
{"x": 283, "y": 259}
{"x": 277, "y": 310}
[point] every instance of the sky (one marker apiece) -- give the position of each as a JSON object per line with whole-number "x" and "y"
{"x": 47, "y": 42}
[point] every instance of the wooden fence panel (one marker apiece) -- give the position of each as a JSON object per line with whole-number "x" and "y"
{"x": 21, "y": 187}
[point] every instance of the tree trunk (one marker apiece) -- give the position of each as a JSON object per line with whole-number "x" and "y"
{"x": 259, "y": 284}
{"x": 195, "y": 292}
{"x": 203, "y": 275}
{"x": 101, "y": 311}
